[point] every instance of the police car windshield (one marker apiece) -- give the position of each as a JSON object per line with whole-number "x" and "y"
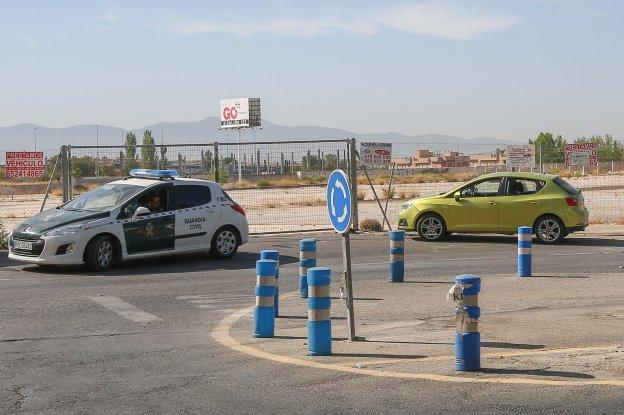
{"x": 103, "y": 198}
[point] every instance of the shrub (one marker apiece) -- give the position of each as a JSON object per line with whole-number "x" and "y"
{"x": 263, "y": 183}
{"x": 387, "y": 194}
{"x": 4, "y": 237}
{"x": 371, "y": 225}
{"x": 361, "y": 195}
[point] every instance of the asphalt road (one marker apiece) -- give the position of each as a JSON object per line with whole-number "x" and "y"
{"x": 137, "y": 339}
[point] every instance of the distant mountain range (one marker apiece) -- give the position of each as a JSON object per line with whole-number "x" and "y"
{"x": 21, "y": 137}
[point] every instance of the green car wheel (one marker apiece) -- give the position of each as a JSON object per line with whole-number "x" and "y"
{"x": 431, "y": 227}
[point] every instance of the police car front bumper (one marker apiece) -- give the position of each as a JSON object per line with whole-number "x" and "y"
{"x": 57, "y": 250}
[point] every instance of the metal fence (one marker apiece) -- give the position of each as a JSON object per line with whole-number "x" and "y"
{"x": 426, "y": 169}
{"x": 282, "y": 183}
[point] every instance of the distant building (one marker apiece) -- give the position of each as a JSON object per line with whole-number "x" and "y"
{"x": 422, "y": 158}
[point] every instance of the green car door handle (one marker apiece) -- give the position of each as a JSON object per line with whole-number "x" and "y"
{"x": 492, "y": 202}
{"x": 534, "y": 203}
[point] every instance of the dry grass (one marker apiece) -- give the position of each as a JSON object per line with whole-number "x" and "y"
{"x": 361, "y": 195}
{"x": 242, "y": 184}
{"x": 597, "y": 222}
{"x": 408, "y": 194}
{"x": 371, "y": 225}
{"x": 620, "y": 221}
{"x": 388, "y": 193}
{"x": 308, "y": 202}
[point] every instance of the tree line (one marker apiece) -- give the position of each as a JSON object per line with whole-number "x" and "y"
{"x": 552, "y": 147}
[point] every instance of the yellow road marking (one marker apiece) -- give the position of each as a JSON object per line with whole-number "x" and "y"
{"x": 221, "y": 334}
{"x": 492, "y": 355}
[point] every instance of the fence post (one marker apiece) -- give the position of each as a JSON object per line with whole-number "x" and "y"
{"x": 216, "y": 161}
{"x": 353, "y": 176}
{"x": 65, "y": 174}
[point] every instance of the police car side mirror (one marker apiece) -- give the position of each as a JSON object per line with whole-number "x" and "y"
{"x": 141, "y": 211}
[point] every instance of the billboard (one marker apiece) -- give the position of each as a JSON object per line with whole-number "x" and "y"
{"x": 521, "y": 155}
{"x": 581, "y": 154}
{"x": 24, "y": 164}
{"x": 375, "y": 154}
{"x": 240, "y": 112}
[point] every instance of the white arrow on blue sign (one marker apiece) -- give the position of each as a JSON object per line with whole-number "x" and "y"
{"x": 339, "y": 201}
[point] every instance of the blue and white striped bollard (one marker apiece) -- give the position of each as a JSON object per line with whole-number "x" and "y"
{"x": 319, "y": 304}
{"x": 264, "y": 313}
{"x": 307, "y": 259}
{"x": 525, "y": 235}
{"x": 397, "y": 255}
{"x": 467, "y": 337}
{"x": 274, "y": 255}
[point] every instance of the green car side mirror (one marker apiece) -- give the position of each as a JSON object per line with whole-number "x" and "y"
{"x": 457, "y": 195}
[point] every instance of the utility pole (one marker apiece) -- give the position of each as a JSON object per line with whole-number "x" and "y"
{"x": 97, "y": 151}
{"x": 121, "y": 153}
{"x": 35, "y": 134}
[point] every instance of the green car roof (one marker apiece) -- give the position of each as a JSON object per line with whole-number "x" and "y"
{"x": 524, "y": 175}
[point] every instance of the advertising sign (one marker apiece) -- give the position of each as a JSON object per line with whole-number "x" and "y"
{"x": 581, "y": 154}
{"x": 375, "y": 154}
{"x": 521, "y": 155}
{"x": 24, "y": 164}
{"x": 240, "y": 112}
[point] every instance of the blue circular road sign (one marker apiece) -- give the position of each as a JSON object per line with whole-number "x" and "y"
{"x": 339, "y": 201}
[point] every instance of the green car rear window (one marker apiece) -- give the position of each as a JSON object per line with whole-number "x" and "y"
{"x": 566, "y": 186}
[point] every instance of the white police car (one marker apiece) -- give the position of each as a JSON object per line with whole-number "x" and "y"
{"x": 153, "y": 212}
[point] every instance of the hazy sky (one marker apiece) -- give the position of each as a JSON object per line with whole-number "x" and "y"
{"x": 506, "y": 68}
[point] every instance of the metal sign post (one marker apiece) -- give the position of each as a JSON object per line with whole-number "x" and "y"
{"x": 339, "y": 211}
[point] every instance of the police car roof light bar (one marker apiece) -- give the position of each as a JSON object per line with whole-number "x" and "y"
{"x": 154, "y": 174}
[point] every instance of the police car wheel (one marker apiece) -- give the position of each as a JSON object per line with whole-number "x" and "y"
{"x": 100, "y": 254}
{"x": 224, "y": 243}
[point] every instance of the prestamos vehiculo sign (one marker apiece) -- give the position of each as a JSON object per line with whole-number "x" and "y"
{"x": 24, "y": 164}
{"x": 581, "y": 154}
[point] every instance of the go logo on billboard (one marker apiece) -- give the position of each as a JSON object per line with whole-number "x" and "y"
{"x": 230, "y": 113}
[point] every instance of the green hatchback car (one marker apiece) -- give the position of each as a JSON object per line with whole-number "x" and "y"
{"x": 500, "y": 203}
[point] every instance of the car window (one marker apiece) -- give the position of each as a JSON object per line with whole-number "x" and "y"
{"x": 566, "y": 186}
{"x": 156, "y": 199}
{"x": 481, "y": 189}
{"x": 518, "y": 187}
{"x": 103, "y": 198}
{"x": 191, "y": 195}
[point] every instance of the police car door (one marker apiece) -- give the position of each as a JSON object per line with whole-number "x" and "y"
{"x": 151, "y": 232}
{"x": 196, "y": 215}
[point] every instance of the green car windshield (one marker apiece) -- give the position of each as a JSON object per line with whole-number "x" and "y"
{"x": 103, "y": 198}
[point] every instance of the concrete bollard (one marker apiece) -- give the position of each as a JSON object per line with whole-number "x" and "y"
{"x": 467, "y": 338}
{"x": 273, "y": 255}
{"x": 319, "y": 303}
{"x": 307, "y": 259}
{"x": 264, "y": 313}
{"x": 397, "y": 255}
{"x": 525, "y": 235}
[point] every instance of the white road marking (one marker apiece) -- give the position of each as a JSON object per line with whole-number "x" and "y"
{"x": 125, "y": 310}
{"x": 5, "y": 279}
{"x": 213, "y": 302}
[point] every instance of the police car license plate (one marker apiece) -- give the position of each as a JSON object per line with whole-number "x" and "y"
{"x": 27, "y": 246}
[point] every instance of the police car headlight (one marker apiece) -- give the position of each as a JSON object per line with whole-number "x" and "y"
{"x": 65, "y": 231}
{"x": 405, "y": 206}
